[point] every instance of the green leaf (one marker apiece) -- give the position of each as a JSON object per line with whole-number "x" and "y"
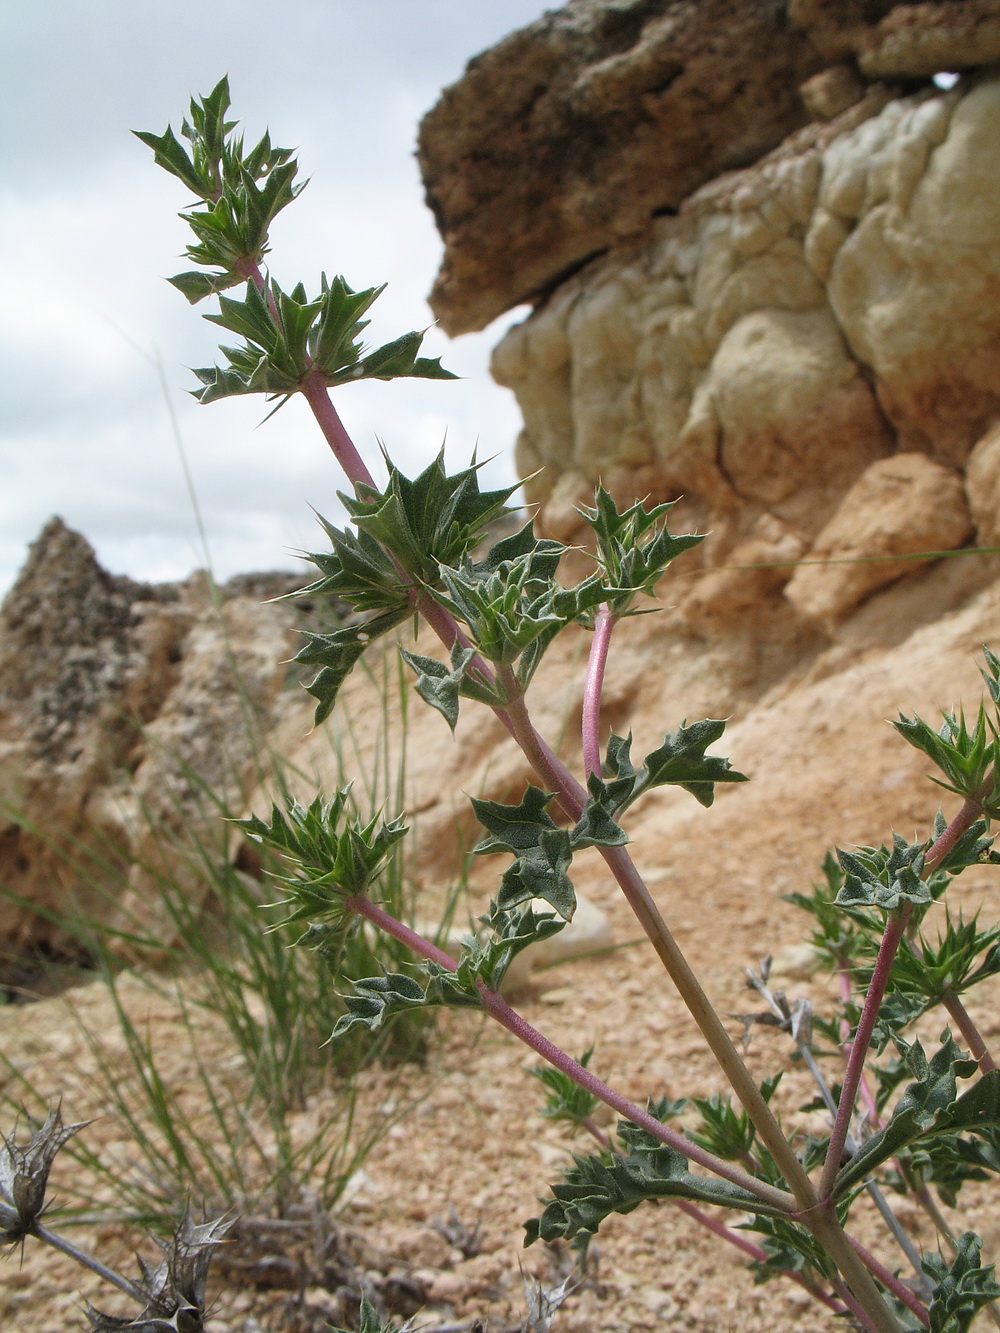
{"x": 542, "y": 850}
{"x": 728, "y": 1133}
{"x": 633, "y": 548}
{"x": 331, "y": 857}
{"x": 566, "y": 1099}
{"x": 596, "y": 828}
{"x": 961, "y": 1288}
{"x": 963, "y": 754}
{"x": 930, "y": 1105}
{"x": 961, "y": 957}
{"x": 378, "y": 999}
{"x": 370, "y": 1322}
{"x": 399, "y": 360}
{"x": 680, "y": 761}
{"x": 883, "y": 878}
{"x": 540, "y": 872}
{"x": 196, "y": 286}
{"x": 790, "y": 1248}
{"x": 949, "y": 1161}
{"x": 438, "y": 686}
{"x": 358, "y": 571}
{"x": 338, "y": 653}
{"x": 513, "y": 828}
{"x": 430, "y": 520}
{"x": 511, "y": 931}
{"x": 597, "y": 1186}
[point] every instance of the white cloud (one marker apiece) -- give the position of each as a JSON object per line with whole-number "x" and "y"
{"x": 90, "y": 229}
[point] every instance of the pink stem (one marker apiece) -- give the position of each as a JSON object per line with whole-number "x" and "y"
{"x": 315, "y": 393}
{"x": 974, "y": 1038}
{"x": 972, "y": 808}
{"x": 894, "y": 929}
{"x": 498, "y": 1008}
{"x": 604, "y": 623}
{"x": 892, "y": 1283}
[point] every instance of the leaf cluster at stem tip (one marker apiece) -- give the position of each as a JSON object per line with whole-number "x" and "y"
{"x": 288, "y": 336}
{"x": 634, "y": 548}
{"x": 332, "y": 857}
{"x": 419, "y": 536}
{"x": 967, "y": 756}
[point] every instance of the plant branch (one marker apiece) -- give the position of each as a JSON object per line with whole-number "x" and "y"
{"x": 328, "y": 419}
{"x": 497, "y": 1007}
{"x": 604, "y": 623}
{"x": 966, "y": 1025}
{"x": 88, "y": 1261}
{"x": 721, "y": 1230}
{"x": 892, "y": 1283}
{"x": 894, "y": 928}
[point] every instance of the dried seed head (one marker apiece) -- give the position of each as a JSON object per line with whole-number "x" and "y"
{"x": 24, "y": 1174}
{"x": 174, "y": 1290}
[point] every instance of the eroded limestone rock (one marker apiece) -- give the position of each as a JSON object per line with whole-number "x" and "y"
{"x": 119, "y": 708}
{"x": 795, "y": 323}
{"x": 571, "y": 133}
{"x": 982, "y": 484}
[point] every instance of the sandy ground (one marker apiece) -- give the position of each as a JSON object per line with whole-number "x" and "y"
{"x": 826, "y": 769}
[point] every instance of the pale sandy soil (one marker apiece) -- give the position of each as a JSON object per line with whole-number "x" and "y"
{"x": 826, "y": 769}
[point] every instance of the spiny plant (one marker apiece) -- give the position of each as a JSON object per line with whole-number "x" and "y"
{"x": 407, "y": 551}
{"x": 170, "y": 1296}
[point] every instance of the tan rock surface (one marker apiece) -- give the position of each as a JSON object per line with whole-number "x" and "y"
{"x": 982, "y": 479}
{"x": 118, "y": 706}
{"x": 900, "y": 506}
{"x": 608, "y": 113}
{"x": 796, "y": 322}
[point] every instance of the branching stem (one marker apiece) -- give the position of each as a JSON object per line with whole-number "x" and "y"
{"x": 497, "y": 1007}
{"x": 894, "y": 929}
{"x": 88, "y": 1261}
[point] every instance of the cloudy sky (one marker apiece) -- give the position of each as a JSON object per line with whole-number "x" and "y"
{"x": 93, "y": 342}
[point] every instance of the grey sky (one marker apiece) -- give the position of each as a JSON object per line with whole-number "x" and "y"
{"x": 89, "y": 230}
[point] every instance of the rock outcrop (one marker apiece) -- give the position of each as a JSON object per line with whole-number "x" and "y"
{"x": 801, "y": 332}
{"x": 576, "y": 131}
{"x": 121, "y": 705}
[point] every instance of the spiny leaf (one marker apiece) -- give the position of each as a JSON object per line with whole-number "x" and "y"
{"x": 438, "y": 686}
{"x": 928, "y": 1106}
{"x": 884, "y": 878}
{"x": 680, "y": 761}
{"x": 597, "y": 1186}
{"x": 331, "y": 857}
{"x": 961, "y": 1288}
{"x": 565, "y": 1099}
{"x": 513, "y": 828}
{"x": 634, "y": 548}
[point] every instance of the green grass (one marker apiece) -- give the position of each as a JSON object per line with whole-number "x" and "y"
{"x": 255, "y": 1012}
